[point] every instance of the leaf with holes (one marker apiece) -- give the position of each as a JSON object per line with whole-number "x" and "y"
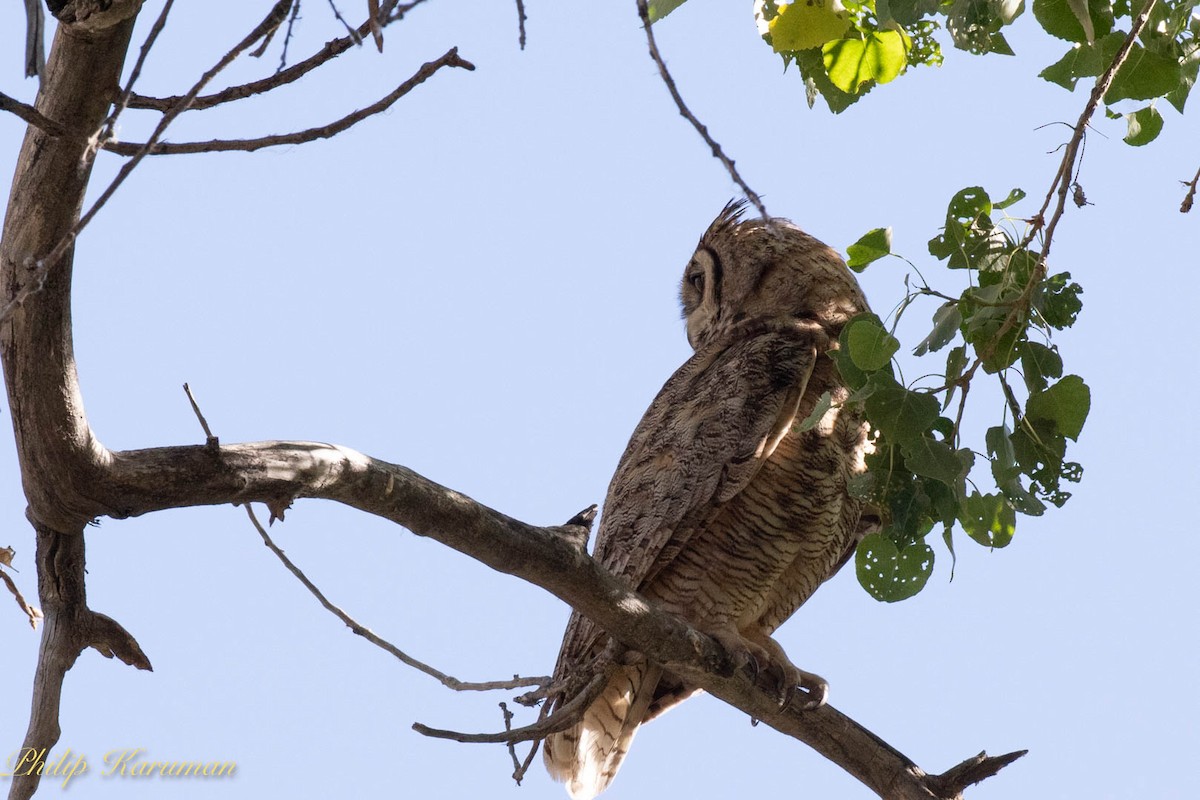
{"x": 889, "y": 574}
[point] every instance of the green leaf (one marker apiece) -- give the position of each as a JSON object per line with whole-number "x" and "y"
{"x": 823, "y": 404}
{"x": 1039, "y": 363}
{"x": 805, "y": 24}
{"x": 1058, "y": 300}
{"x": 956, "y": 362}
{"x": 889, "y": 574}
{"x": 873, "y": 246}
{"x": 907, "y": 12}
{"x": 812, "y": 68}
{"x": 660, "y": 8}
{"x": 988, "y": 519}
{"x": 1144, "y": 76}
{"x": 901, "y": 415}
{"x": 1081, "y": 61}
{"x": 1066, "y": 404}
{"x": 1015, "y": 196}
{"x": 871, "y": 347}
{"x": 945, "y": 327}
{"x": 1061, "y": 18}
{"x": 933, "y": 459}
{"x": 1006, "y": 469}
{"x": 1144, "y": 126}
{"x": 850, "y": 63}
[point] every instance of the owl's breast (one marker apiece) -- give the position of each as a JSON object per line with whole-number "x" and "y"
{"x": 767, "y": 549}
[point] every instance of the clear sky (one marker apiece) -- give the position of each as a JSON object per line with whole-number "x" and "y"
{"x": 481, "y": 285}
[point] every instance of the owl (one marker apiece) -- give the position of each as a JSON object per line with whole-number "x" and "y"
{"x": 721, "y": 510}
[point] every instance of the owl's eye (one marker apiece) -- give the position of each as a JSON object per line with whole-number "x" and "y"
{"x": 696, "y": 279}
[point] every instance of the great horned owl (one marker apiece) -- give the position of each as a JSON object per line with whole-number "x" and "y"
{"x": 720, "y": 510}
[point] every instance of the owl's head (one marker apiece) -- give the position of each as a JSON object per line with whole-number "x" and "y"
{"x": 753, "y": 270}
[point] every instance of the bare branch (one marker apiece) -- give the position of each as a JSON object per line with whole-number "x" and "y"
{"x": 46, "y": 264}
{"x": 378, "y": 641}
{"x": 971, "y": 771}
{"x": 32, "y": 116}
{"x": 35, "y": 34}
{"x": 210, "y": 440}
{"x": 718, "y": 153}
{"x": 138, "y": 482}
{"x": 1190, "y": 197}
{"x": 338, "y": 16}
{"x": 287, "y": 39}
{"x": 1063, "y": 178}
{"x": 450, "y": 59}
{"x": 521, "y": 31}
{"x": 106, "y": 129}
{"x": 560, "y": 720}
{"x": 392, "y": 12}
{"x": 30, "y": 610}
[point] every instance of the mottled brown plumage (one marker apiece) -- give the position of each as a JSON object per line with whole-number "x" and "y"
{"x": 720, "y": 511}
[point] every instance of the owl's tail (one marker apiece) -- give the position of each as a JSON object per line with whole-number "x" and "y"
{"x": 587, "y": 755}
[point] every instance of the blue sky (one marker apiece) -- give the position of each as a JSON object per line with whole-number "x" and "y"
{"x": 481, "y": 285}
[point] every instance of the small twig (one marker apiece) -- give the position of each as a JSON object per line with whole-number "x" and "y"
{"x": 31, "y": 611}
{"x": 446, "y": 680}
{"x": 971, "y": 771}
{"x": 52, "y": 258}
{"x": 346, "y": 25}
{"x": 561, "y": 719}
{"x": 287, "y": 37}
{"x": 1063, "y": 177}
{"x": 718, "y": 153}
{"x": 107, "y": 127}
{"x": 450, "y": 59}
{"x": 521, "y": 37}
{"x": 35, "y": 46}
{"x": 209, "y": 440}
{"x": 331, "y": 50}
{"x": 32, "y": 116}
{"x": 1190, "y": 197}
{"x": 373, "y": 19}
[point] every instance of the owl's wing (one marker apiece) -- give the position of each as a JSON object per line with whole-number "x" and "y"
{"x": 701, "y": 441}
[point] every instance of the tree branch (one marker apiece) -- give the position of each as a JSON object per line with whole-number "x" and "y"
{"x": 1062, "y": 179}
{"x": 449, "y": 59}
{"x": 448, "y": 681}
{"x": 142, "y": 481}
{"x": 686, "y": 113}
{"x": 32, "y": 116}
{"x": 391, "y": 11}
{"x": 1190, "y": 197}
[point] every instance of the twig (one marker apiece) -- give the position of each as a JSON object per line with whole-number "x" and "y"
{"x": 373, "y": 16}
{"x": 1190, "y": 197}
{"x": 277, "y": 12}
{"x": 1062, "y": 179}
{"x": 109, "y": 124}
{"x": 718, "y": 153}
{"x": 561, "y": 719}
{"x": 35, "y": 46}
{"x": 521, "y": 37}
{"x": 31, "y": 611}
{"x": 446, "y": 680}
{"x": 346, "y": 25}
{"x": 32, "y": 116}
{"x": 392, "y": 12}
{"x": 209, "y": 440}
{"x": 450, "y": 59}
{"x": 287, "y": 39}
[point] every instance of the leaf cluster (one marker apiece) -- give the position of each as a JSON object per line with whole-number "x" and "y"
{"x": 844, "y": 48}
{"x": 920, "y": 476}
